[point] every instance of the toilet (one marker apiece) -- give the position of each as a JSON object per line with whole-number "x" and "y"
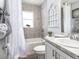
{"x": 40, "y": 52}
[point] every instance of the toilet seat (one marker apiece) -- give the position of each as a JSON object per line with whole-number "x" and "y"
{"x": 40, "y": 49}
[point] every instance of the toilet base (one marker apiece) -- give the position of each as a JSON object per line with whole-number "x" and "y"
{"x": 40, "y": 56}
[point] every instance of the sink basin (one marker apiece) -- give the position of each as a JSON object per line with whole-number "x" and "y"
{"x": 61, "y": 35}
{"x": 68, "y": 43}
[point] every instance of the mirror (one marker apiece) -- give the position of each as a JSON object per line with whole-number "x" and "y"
{"x": 37, "y": 23}
{"x": 70, "y": 16}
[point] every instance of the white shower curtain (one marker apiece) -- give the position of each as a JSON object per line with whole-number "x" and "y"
{"x": 16, "y": 39}
{"x": 21, "y": 38}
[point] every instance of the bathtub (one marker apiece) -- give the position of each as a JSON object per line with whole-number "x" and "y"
{"x": 31, "y": 43}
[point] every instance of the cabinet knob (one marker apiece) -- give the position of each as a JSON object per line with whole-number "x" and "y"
{"x": 57, "y": 55}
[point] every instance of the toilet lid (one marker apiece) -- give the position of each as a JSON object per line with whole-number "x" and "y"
{"x": 40, "y": 48}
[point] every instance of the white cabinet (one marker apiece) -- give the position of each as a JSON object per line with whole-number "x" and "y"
{"x": 49, "y": 52}
{"x": 54, "y": 53}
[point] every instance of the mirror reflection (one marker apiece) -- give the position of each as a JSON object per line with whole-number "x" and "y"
{"x": 39, "y": 18}
{"x": 70, "y": 16}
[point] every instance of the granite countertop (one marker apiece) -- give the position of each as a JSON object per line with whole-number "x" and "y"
{"x": 73, "y": 52}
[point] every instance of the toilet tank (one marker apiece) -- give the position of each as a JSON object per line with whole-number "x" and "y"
{"x": 31, "y": 43}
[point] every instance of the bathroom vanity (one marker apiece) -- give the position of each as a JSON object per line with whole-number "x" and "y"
{"x": 54, "y": 50}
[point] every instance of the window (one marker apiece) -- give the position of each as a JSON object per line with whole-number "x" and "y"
{"x": 53, "y": 16}
{"x": 28, "y": 19}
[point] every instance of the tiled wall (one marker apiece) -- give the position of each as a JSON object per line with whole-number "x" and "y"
{"x": 35, "y": 32}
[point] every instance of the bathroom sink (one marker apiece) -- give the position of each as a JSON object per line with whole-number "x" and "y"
{"x": 61, "y": 35}
{"x": 68, "y": 43}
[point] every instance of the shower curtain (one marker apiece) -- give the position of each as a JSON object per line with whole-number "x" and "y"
{"x": 16, "y": 43}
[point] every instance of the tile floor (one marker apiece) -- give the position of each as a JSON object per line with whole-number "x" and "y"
{"x": 29, "y": 57}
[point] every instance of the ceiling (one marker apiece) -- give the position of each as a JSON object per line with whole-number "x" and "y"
{"x": 35, "y": 2}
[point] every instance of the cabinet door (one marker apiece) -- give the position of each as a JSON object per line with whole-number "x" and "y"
{"x": 49, "y": 53}
{"x": 54, "y": 53}
{"x": 62, "y": 57}
{"x": 59, "y": 56}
